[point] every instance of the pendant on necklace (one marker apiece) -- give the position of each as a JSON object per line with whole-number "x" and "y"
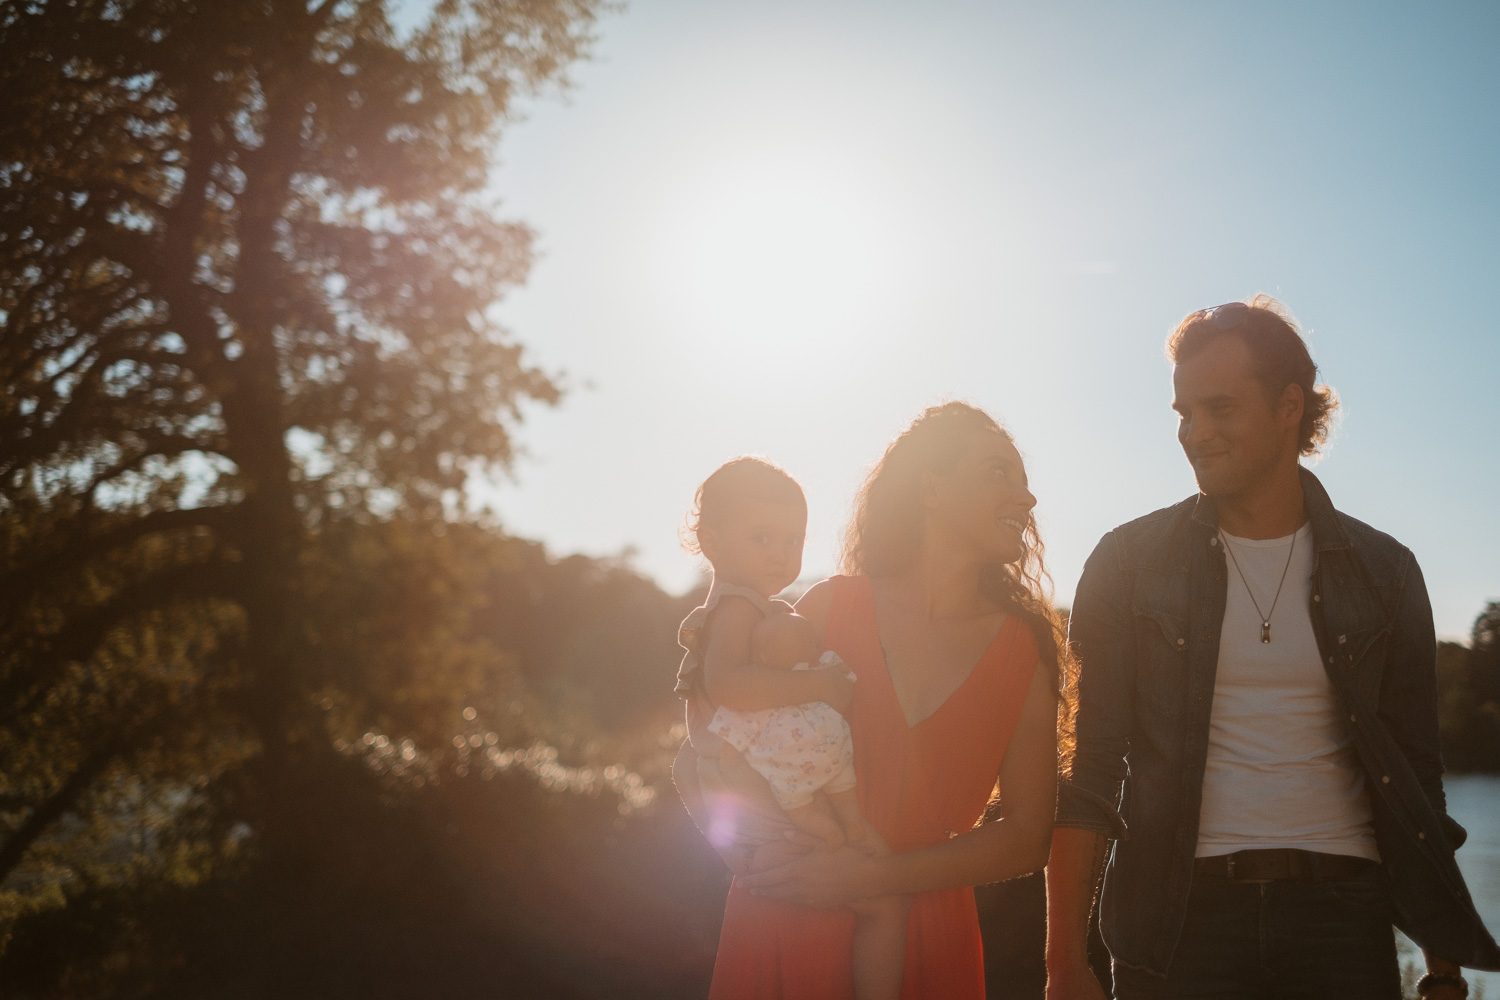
{"x": 1265, "y": 631}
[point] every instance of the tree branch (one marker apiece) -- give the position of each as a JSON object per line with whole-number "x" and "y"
{"x": 24, "y": 689}
{"x": 44, "y": 815}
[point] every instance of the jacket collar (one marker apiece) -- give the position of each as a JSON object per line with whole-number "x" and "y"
{"x": 1328, "y": 533}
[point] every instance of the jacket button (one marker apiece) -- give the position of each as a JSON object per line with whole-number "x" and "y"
{"x": 1351, "y": 718}
{"x": 1421, "y": 835}
{"x": 1214, "y": 541}
{"x": 1330, "y": 659}
{"x": 1343, "y": 639}
{"x": 1182, "y": 642}
{"x": 1317, "y": 597}
{"x": 1385, "y": 779}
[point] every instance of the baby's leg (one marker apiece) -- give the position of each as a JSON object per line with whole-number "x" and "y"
{"x": 879, "y": 929}
{"x": 816, "y": 820}
{"x": 846, "y": 808}
{"x": 845, "y": 802}
{"x": 879, "y": 946}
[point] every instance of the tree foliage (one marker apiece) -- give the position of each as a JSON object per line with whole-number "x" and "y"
{"x": 248, "y": 267}
{"x": 1469, "y": 692}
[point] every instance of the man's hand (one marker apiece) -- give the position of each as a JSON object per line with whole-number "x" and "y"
{"x": 1443, "y": 967}
{"x": 1445, "y": 993}
{"x": 1074, "y": 981}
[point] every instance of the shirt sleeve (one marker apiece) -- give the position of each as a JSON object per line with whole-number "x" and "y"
{"x": 1100, "y": 634}
{"x": 1409, "y": 697}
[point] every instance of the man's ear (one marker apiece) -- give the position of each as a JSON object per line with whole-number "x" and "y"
{"x": 1291, "y": 404}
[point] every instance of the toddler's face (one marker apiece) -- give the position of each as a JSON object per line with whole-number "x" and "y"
{"x": 783, "y": 641}
{"x": 758, "y": 545}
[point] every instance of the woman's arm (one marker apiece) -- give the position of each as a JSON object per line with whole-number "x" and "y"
{"x": 1016, "y": 844}
{"x": 734, "y": 681}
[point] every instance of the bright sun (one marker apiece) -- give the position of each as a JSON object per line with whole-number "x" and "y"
{"x": 786, "y": 246}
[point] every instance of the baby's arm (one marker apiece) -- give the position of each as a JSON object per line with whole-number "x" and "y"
{"x": 736, "y": 682}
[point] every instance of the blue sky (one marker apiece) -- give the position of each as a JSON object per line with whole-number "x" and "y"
{"x": 784, "y": 228}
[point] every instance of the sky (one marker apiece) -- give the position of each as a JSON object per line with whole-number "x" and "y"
{"x": 786, "y": 227}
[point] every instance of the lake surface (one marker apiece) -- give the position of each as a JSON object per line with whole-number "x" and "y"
{"x": 1474, "y": 800}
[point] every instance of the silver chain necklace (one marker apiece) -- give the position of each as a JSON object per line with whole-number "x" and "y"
{"x": 1265, "y": 616}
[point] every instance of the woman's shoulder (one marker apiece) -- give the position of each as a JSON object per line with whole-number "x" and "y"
{"x": 816, "y": 603}
{"x": 822, "y": 601}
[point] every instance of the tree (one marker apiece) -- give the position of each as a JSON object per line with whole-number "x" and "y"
{"x": 247, "y": 267}
{"x": 1484, "y": 652}
{"x": 1469, "y": 696}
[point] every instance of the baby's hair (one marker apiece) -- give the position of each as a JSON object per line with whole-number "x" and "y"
{"x": 748, "y": 476}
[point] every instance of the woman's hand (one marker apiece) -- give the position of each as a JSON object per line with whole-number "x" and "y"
{"x": 824, "y": 879}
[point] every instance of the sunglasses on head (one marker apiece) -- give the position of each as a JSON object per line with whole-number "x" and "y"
{"x": 1225, "y": 317}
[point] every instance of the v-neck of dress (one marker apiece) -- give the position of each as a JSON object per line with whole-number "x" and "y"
{"x": 890, "y": 680}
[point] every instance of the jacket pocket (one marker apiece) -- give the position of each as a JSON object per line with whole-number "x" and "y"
{"x": 1162, "y": 666}
{"x": 1361, "y": 654}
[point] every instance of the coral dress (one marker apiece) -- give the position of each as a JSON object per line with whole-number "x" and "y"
{"x": 917, "y": 786}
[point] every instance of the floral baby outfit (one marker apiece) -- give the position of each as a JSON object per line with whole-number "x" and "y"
{"x": 798, "y": 749}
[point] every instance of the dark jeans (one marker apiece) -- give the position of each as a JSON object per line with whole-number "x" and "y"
{"x": 1283, "y": 939}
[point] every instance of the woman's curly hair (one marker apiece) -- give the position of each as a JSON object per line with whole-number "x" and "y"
{"x": 884, "y": 535}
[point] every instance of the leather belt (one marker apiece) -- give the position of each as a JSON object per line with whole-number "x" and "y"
{"x": 1276, "y": 864}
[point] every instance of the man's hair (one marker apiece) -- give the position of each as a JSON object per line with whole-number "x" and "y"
{"x": 1277, "y": 351}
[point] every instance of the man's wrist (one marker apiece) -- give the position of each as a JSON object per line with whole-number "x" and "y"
{"x": 1441, "y": 966}
{"x": 1064, "y": 956}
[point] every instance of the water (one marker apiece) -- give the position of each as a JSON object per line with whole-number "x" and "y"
{"x": 1474, "y": 800}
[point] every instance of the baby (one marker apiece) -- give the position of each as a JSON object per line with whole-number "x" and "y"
{"x": 798, "y": 749}
{"x": 758, "y": 692}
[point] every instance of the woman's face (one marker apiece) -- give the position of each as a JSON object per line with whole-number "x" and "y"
{"x": 981, "y": 506}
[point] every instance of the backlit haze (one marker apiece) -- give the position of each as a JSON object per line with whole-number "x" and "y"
{"x": 784, "y": 228}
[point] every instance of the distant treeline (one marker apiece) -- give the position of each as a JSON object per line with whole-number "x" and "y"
{"x": 510, "y": 821}
{"x": 1468, "y": 680}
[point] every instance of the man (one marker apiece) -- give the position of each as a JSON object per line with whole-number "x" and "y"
{"x": 1265, "y": 664}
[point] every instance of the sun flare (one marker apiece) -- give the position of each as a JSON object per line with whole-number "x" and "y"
{"x": 785, "y": 246}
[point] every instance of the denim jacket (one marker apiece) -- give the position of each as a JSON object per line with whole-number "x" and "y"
{"x": 1145, "y": 626}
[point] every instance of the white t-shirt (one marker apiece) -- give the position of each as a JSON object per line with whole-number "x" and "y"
{"x": 1282, "y": 770}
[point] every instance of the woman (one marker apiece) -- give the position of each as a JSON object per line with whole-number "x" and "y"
{"x": 943, "y": 621}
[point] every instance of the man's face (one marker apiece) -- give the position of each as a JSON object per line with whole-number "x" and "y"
{"x": 1232, "y": 431}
